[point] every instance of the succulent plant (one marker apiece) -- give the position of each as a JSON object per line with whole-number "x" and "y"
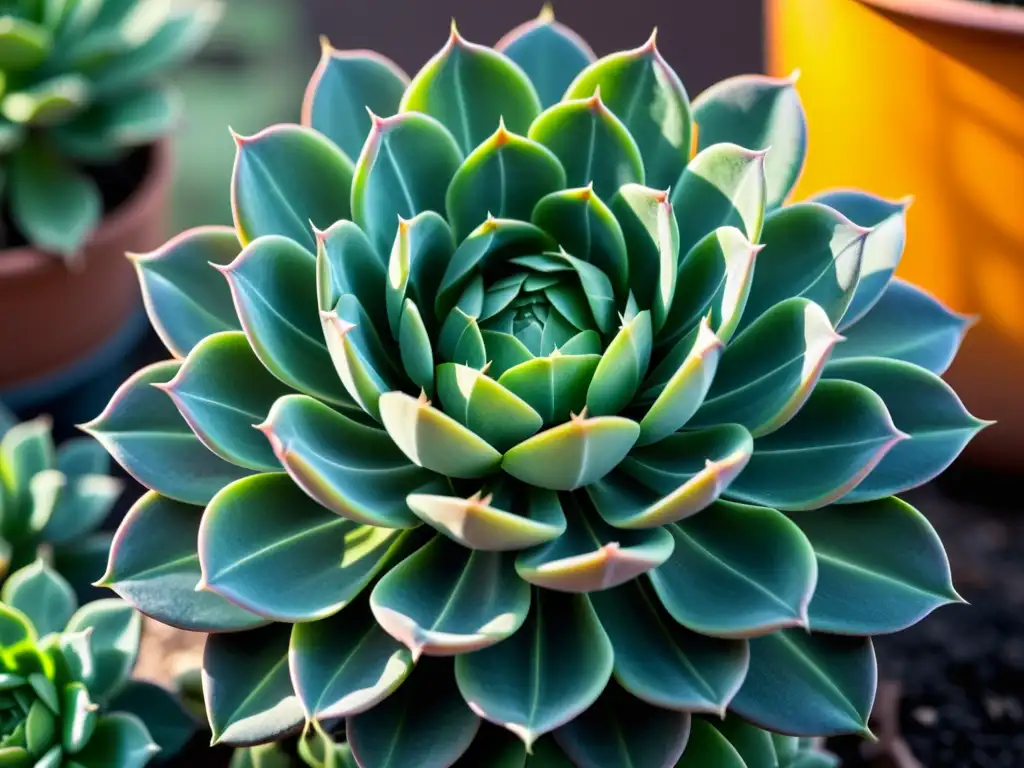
{"x": 53, "y": 500}
{"x": 558, "y": 458}
{"x": 62, "y": 673}
{"x": 77, "y": 88}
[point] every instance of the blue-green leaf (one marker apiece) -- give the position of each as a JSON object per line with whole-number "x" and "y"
{"x": 154, "y": 565}
{"x": 468, "y": 88}
{"x": 757, "y": 112}
{"x": 146, "y": 435}
{"x": 285, "y": 177}
{"x": 344, "y": 87}
{"x": 184, "y": 305}
{"x": 907, "y": 324}
{"x": 404, "y": 169}
{"x": 809, "y": 684}
{"x": 42, "y": 595}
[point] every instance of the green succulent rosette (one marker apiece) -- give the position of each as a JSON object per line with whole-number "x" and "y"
{"x": 53, "y": 501}
{"x": 526, "y": 425}
{"x": 79, "y": 86}
{"x": 66, "y": 700}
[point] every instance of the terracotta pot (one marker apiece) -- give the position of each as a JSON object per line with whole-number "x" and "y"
{"x": 926, "y": 97}
{"x": 55, "y": 320}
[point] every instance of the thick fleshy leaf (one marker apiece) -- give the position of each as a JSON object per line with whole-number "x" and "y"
{"x": 344, "y": 87}
{"x": 273, "y": 286}
{"x": 353, "y": 470}
{"x": 546, "y": 674}
{"x": 707, "y": 747}
{"x": 402, "y": 731}
{"x": 345, "y": 664}
{"x": 55, "y": 205}
{"x": 487, "y": 408}
{"x": 737, "y": 571}
{"x": 723, "y": 186}
{"x": 548, "y": 52}
{"x": 881, "y": 567}
{"x": 247, "y": 688}
{"x": 120, "y": 740}
{"x": 646, "y": 94}
{"x": 220, "y": 413}
{"x": 768, "y": 371}
{"x": 591, "y": 555}
{"x": 682, "y": 394}
{"x": 461, "y": 342}
{"x": 622, "y": 368}
{"x": 154, "y": 565}
{"x": 714, "y": 279}
{"x": 811, "y": 251}
{"x": 146, "y": 435}
{"x": 404, "y": 169}
{"x": 508, "y": 517}
{"x": 468, "y": 88}
{"x": 347, "y": 263}
{"x": 80, "y": 714}
{"x": 25, "y": 451}
{"x": 618, "y": 731}
{"x": 827, "y": 689}
{"x": 286, "y": 177}
{"x": 504, "y": 352}
{"x": 757, "y": 112}
{"x": 663, "y": 663}
{"x": 883, "y": 247}
{"x": 183, "y": 303}
{"x": 167, "y": 721}
{"x": 833, "y": 442}
{"x": 420, "y": 254}
{"x": 42, "y": 595}
{"x": 434, "y": 440}
{"x": 23, "y": 43}
{"x": 263, "y": 544}
{"x": 445, "y": 599}
{"x": 361, "y": 359}
{"x": 756, "y": 746}
{"x": 922, "y": 406}
{"x": 592, "y": 144}
{"x": 652, "y": 240}
{"x": 415, "y": 349}
{"x": 675, "y": 478}
{"x": 82, "y": 504}
{"x": 554, "y": 386}
{"x": 115, "y": 633}
{"x": 504, "y": 176}
{"x": 573, "y": 454}
{"x": 585, "y": 227}
{"x": 495, "y": 240}
{"x": 910, "y": 325}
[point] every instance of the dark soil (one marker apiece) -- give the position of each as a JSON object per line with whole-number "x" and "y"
{"x": 117, "y": 182}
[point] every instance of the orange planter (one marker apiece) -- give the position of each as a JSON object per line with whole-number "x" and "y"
{"x": 926, "y": 97}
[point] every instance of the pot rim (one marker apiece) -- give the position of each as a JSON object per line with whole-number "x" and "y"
{"x": 961, "y": 13}
{"x": 27, "y": 260}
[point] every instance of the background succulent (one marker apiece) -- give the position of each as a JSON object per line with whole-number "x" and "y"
{"x": 53, "y": 500}
{"x": 77, "y": 87}
{"x": 65, "y": 694}
{"x": 558, "y": 456}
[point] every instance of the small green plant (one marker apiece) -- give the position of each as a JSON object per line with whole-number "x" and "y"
{"x": 64, "y": 678}
{"x": 573, "y": 445}
{"x": 53, "y": 500}
{"x": 78, "y": 87}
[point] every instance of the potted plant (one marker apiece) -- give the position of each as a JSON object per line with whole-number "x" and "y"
{"x": 926, "y": 97}
{"x": 571, "y": 447}
{"x": 85, "y": 168}
{"x": 52, "y": 501}
{"x": 67, "y": 697}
